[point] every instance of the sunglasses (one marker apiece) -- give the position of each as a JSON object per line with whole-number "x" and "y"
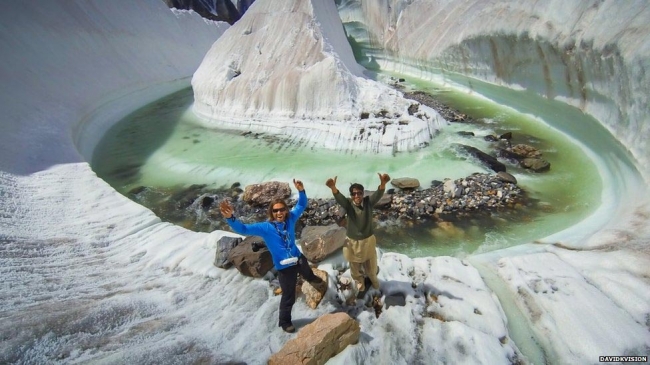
{"x": 356, "y": 193}
{"x": 279, "y": 210}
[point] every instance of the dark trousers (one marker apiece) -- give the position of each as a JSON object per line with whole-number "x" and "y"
{"x": 288, "y": 279}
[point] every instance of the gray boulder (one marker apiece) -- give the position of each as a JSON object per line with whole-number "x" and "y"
{"x": 318, "y": 242}
{"x": 250, "y": 262}
{"x": 224, "y": 246}
{"x": 506, "y": 177}
{"x": 405, "y": 183}
{"x": 536, "y": 164}
{"x": 487, "y": 160}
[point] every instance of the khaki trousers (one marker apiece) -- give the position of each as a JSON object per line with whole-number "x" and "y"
{"x": 362, "y": 256}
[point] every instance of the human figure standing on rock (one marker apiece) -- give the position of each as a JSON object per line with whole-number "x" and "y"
{"x": 360, "y": 244}
{"x": 279, "y": 234}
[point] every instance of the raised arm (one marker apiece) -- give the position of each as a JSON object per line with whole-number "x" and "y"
{"x": 383, "y": 179}
{"x": 301, "y": 205}
{"x": 256, "y": 229}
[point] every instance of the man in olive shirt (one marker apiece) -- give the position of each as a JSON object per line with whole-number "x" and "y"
{"x": 359, "y": 248}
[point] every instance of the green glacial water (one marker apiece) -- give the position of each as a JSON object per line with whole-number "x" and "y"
{"x": 161, "y": 145}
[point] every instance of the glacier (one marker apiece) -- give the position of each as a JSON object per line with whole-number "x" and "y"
{"x": 254, "y": 79}
{"x": 90, "y": 276}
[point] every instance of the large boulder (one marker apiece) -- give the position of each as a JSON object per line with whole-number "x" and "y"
{"x": 224, "y": 246}
{"x": 536, "y": 164}
{"x": 318, "y": 242}
{"x": 319, "y": 341}
{"x": 262, "y": 194}
{"x": 506, "y": 177}
{"x": 251, "y": 257}
{"x": 405, "y": 183}
{"x": 385, "y": 200}
{"x": 489, "y": 161}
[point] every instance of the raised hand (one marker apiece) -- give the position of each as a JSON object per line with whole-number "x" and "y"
{"x": 226, "y": 209}
{"x": 331, "y": 183}
{"x": 383, "y": 178}
{"x": 298, "y": 184}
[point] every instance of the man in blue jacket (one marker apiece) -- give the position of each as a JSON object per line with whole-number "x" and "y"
{"x": 279, "y": 234}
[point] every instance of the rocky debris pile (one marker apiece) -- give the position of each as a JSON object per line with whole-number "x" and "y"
{"x": 460, "y": 197}
{"x": 197, "y": 207}
{"x": 450, "y": 114}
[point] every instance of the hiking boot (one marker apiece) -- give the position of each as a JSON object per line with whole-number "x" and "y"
{"x": 289, "y": 329}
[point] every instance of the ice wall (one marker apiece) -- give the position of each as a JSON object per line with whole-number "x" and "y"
{"x": 287, "y": 68}
{"x": 64, "y": 63}
{"x": 590, "y": 54}
{"x": 63, "y": 59}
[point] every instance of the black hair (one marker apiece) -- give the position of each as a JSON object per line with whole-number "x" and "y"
{"x": 356, "y": 186}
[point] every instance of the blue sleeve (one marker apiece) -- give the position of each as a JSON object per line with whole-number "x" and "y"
{"x": 301, "y": 205}
{"x": 255, "y": 229}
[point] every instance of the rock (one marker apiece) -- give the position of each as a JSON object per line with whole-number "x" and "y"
{"x": 509, "y": 155}
{"x": 397, "y": 299}
{"x": 251, "y": 263}
{"x": 466, "y": 134}
{"x": 262, "y": 194}
{"x": 319, "y": 341}
{"x": 536, "y": 164}
{"x": 506, "y": 136}
{"x": 486, "y": 159}
{"x": 348, "y": 290}
{"x": 385, "y": 200}
{"x": 525, "y": 150}
{"x": 405, "y": 183}
{"x": 224, "y": 246}
{"x": 449, "y": 187}
{"x": 506, "y": 177}
{"x": 184, "y": 198}
{"x": 318, "y": 242}
{"x": 313, "y": 294}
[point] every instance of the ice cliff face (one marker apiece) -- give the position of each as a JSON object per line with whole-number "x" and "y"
{"x": 287, "y": 68}
{"x": 591, "y": 54}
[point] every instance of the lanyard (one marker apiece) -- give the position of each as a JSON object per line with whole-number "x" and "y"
{"x": 284, "y": 235}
